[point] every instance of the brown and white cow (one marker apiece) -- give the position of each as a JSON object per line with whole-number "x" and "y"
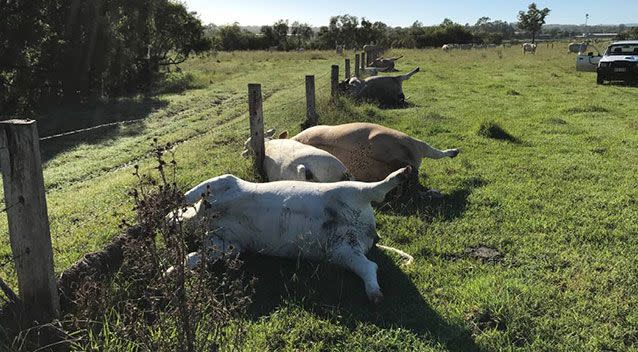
{"x": 370, "y": 151}
{"x": 529, "y": 48}
{"x": 331, "y": 222}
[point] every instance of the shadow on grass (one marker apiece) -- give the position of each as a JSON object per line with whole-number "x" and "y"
{"x": 491, "y": 129}
{"x": 71, "y": 118}
{"x": 332, "y": 292}
{"x": 413, "y": 198}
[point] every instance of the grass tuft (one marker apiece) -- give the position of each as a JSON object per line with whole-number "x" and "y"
{"x": 493, "y": 130}
{"x": 586, "y": 108}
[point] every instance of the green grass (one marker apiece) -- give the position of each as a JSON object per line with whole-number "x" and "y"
{"x": 558, "y": 200}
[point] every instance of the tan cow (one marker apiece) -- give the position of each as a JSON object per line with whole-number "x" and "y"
{"x": 371, "y": 152}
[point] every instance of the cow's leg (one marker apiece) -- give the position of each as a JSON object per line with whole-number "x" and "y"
{"x": 215, "y": 247}
{"x": 366, "y": 269}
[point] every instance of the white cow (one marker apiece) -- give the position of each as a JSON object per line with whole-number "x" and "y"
{"x": 446, "y": 47}
{"x": 331, "y": 222}
{"x": 287, "y": 159}
{"x": 529, "y": 48}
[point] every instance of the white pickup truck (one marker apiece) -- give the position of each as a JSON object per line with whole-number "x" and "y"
{"x": 619, "y": 63}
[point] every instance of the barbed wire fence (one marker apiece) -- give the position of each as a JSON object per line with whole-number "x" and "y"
{"x": 7, "y": 262}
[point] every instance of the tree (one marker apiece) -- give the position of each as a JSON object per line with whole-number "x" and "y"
{"x": 532, "y": 20}
{"x": 280, "y": 28}
{"x": 302, "y": 32}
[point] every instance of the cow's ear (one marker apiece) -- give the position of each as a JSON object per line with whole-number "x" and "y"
{"x": 283, "y": 135}
{"x": 304, "y": 173}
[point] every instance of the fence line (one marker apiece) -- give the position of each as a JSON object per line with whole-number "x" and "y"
{"x": 68, "y": 133}
{"x": 34, "y": 265}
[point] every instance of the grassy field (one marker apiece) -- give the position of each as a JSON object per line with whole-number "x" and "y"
{"x": 557, "y": 200}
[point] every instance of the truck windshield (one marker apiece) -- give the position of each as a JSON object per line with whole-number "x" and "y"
{"x": 623, "y": 49}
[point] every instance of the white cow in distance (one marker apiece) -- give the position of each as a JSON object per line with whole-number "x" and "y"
{"x": 529, "y": 48}
{"x": 332, "y": 222}
{"x": 286, "y": 159}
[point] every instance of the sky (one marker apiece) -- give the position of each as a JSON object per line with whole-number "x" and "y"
{"x": 404, "y": 13}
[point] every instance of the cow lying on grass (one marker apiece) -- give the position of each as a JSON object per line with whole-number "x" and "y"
{"x": 385, "y": 64}
{"x": 388, "y": 90}
{"x": 333, "y": 222}
{"x": 370, "y": 151}
{"x": 287, "y": 159}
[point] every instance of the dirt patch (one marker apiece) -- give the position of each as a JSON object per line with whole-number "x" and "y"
{"x": 482, "y": 253}
{"x": 482, "y": 320}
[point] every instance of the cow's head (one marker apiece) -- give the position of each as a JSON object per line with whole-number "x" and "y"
{"x": 268, "y": 135}
{"x": 352, "y": 86}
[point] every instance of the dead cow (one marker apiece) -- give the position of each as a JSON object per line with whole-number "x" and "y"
{"x": 370, "y": 151}
{"x": 388, "y": 90}
{"x": 385, "y": 64}
{"x": 287, "y": 159}
{"x": 331, "y": 222}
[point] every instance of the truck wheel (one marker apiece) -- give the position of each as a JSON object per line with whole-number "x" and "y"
{"x": 599, "y": 79}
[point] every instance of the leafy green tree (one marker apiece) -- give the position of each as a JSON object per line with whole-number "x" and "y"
{"x": 301, "y": 32}
{"x": 532, "y": 20}
{"x": 82, "y": 50}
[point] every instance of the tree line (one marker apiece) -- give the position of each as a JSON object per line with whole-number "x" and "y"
{"x": 75, "y": 51}
{"x": 352, "y": 32}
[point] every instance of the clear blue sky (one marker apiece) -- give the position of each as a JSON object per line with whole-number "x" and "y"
{"x": 404, "y": 13}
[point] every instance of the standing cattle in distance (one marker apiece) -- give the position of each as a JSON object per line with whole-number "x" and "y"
{"x": 529, "y": 48}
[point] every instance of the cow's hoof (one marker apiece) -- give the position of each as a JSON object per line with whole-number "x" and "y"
{"x": 375, "y": 297}
{"x": 454, "y": 153}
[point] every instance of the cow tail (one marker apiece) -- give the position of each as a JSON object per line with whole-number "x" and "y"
{"x": 409, "y": 74}
{"x": 408, "y": 258}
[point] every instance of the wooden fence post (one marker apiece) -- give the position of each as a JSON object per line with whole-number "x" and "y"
{"x": 256, "y": 115}
{"x": 311, "y": 113}
{"x": 357, "y": 65}
{"x": 347, "y": 64}
{"x": 364, "y": 63}
{"x": 334, "y": 80}
{"x": 26, "y": 204}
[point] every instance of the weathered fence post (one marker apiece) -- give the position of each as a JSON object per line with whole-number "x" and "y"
{"x": 334, "y": 80}
{"x": 311, "y": 113}
{"x": 256, "y": 116}
{"x": 26, "y": 205}
{"x": 347, "y": 64}
{"x": 357, "y": 65}
{"x": 364, "y": 63}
